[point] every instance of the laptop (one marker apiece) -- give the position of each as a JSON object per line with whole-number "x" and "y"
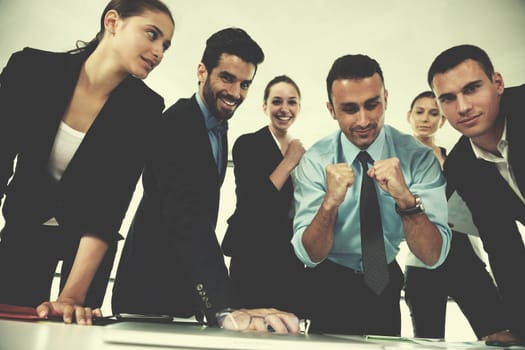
{"x": 202, "y": 337}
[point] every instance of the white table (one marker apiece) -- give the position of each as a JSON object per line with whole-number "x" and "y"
{"x": 44, "y": 335}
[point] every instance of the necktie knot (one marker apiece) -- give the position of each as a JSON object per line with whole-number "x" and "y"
{"x": 365, "y": 159}
{"x": 220, "y": 129}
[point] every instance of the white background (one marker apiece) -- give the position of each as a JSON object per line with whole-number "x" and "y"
{"x": 301, "y": 38}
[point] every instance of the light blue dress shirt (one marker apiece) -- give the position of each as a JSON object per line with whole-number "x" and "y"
{"x": 423, "y": 177}
{"x": 216, "y": 130}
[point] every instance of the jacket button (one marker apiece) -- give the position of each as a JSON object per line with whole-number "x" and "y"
{"x": 199, "y": 286}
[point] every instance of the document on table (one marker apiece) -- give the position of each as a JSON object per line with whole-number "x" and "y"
{"x": 398, "y": 343}
{"x": 16, "y": 312}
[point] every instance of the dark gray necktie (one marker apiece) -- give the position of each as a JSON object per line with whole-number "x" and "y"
{"x": 372, "y": 243}
{"x": 220, "y": 133}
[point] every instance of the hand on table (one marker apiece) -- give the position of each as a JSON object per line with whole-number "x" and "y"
{"x": 259, "y": 320}
{"x": 504, "y": 337}
{"x": 69, "y": 311}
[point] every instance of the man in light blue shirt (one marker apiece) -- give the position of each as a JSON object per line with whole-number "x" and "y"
{"x": 327, "y": 227}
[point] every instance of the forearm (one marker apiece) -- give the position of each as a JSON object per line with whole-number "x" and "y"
{"x": 91, "y": 251}
{"x": 423, "y": 238}
{"x": 318, "y": 237}
{"x": 281, "y": 173}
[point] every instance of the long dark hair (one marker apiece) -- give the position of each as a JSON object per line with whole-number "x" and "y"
{"x": 125, "y": 8}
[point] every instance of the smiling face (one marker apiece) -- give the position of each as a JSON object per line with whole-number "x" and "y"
{"x": 470, "y": 100}
{"x": 359, "y": 107}
{"x": 139, "y": 41}
{"x": 226, "y": 87}
{"x": 282, "y": 105}
{"x": 425, "y": 118}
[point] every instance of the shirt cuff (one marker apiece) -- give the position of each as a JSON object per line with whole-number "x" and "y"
{"x": 300, "y": 251}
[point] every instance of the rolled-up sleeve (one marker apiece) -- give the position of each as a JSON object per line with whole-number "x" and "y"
{"x": 429, "y": 183}
{"x": 309, "y": 191}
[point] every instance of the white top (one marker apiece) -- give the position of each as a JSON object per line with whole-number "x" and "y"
{"x": 275, "y": 139}
{"x": 66, "y": 144}
{"x": 67, "y": 141}
{"x": 502, "y": 163}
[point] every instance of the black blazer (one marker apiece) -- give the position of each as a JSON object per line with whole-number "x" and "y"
{"x": 262, "y": 221}
{"x": 95, "y": 189}
{"x": 495, "y": 207}
{"x": 172, "y": 262}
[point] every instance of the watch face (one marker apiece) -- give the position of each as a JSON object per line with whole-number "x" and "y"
{"x": 419, "y": 203}
{"x": 418, "y": 208}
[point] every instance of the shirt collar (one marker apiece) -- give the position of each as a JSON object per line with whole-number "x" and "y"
{"x": 502, "y": 148}
{"x": 212, "y": 123}
{"x": 351, "y": 151}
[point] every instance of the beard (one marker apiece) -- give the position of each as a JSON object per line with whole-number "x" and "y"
{"x": 213, "y": 100}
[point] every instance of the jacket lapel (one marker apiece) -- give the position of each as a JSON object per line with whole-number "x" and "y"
{"x": 497, "y": 189}
{"x": 203, "y": 145}
{"x": 224, "y": 158}
{"x": 515, "y": 127}
{"x": 55, "y": 100}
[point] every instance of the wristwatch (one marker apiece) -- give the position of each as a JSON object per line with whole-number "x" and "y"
{"x": 417, "y": 209}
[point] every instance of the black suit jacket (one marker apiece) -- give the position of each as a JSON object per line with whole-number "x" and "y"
{"x": 495, "y": 207}
{"x": 171, "y": 262}
{"x": 95, "y": 189}
{"x": 262, "y": 221}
